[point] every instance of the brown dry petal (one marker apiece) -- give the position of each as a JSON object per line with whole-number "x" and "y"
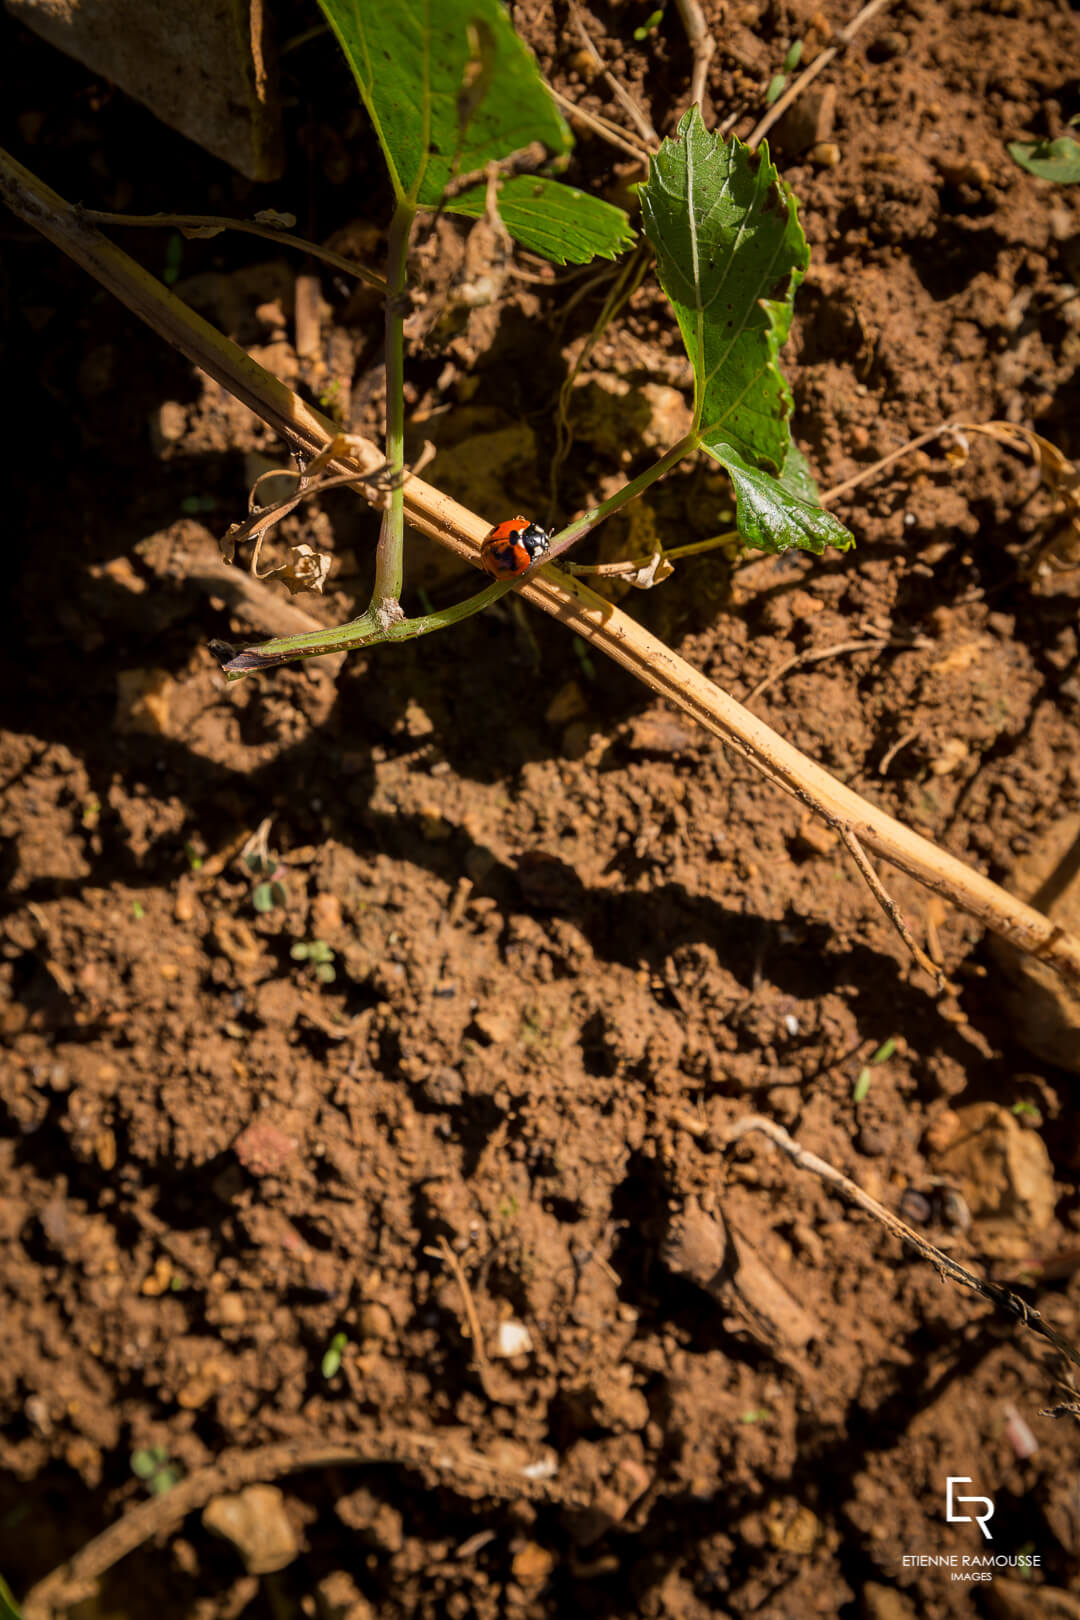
{"x": 306, "y": 569}
{"x": 654, "y": 572}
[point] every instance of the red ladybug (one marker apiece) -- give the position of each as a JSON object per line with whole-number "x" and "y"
{"x": 512, "y": 547}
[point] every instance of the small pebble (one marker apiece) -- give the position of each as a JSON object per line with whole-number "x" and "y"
{"x": 512, "y": 1338}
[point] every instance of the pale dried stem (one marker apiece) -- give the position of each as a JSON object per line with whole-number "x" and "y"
{"x": 1015, "y": 1307}
{"x": 207, "y": 223}
{"x": 572, "y": 603}
{"x": 642, "y": 123}
{"x": 601, "y": 126}
{"x": 701, "y": 43}
{"x": 818, "y": 65}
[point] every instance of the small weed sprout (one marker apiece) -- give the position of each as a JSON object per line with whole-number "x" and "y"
{"x": 650, "y": 25}
{"x": 779, "y": 80}
{"x": 268, "y": 889}
{"x": 1057, "y": 160}
{"x": 151, "y": 1464}
{"x": 318, "y": 955}
{"x": 331, "y": 1361}
{"x": 862, "y": 1082}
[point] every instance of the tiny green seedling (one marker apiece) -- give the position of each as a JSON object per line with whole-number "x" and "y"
{"x": 151, "y": 1464}
{"x": 319, "y": 957}
{"x": 1050, "y": 160}
{"x": 268, "y": 890}
{"x": 862, "y": 1083}
{"x": 194, "y": 859}
{"x": 1027, "y": 1110}
{"x": 138, "y": 910}
{"x": 756, "y": 1414}
{"x": 268, "y": 893}
{"x": 331, "y": 1361}
{"x": 650, "y": 25}
{"x": 779, "y": 80}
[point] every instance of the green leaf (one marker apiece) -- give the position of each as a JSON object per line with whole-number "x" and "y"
{"x": 885, "y": 1050}
{"x": 146, "y": 1462}
{"x": 564, "y": 225}
{"x": 775, "y": 90}
{"x": 794, "y": 56}
{"x": 9, "y": 1609}
{"x": 652, "y": 21}
{"x": 862, "y": 1086}
{"x": 1049, "y": 160}
{"x": 730, "y": 254}
{"x": 770, "y": 516}
{"x": 262, "y": 897}
{"x": 448, "y": 85}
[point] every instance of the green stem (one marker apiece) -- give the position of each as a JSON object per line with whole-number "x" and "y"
{"x": 390, "y": 552}
{"x": 629, "y": 492}
{"x": 367, "y": 630}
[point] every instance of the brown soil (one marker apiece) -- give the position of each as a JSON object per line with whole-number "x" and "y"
{"x": 573, "y": 938}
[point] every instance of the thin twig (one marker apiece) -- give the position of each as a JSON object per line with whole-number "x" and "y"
{"x": 631, "y": 565}
{"x": 579, "y": 609}
{"x": 641, "y": 121}
{"x": 483, "y": 1365}
{"x": 251, "y": 227}
{"x": 891, "y": 753}
{"x": 1015, "y": 1307}
{"x": 890, "y": 908}
{"x": 701, "y": 43}
{"x": 601, "y": 126}
{"x": 811, "y": 657}
{"x": 872, "y": 471}
{"x": 73, "y": 1580}
{"x": 820, "y": 62}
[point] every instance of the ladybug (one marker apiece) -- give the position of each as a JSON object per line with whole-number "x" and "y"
{"x": 512, "y": 547}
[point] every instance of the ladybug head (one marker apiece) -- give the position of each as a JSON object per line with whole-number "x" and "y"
{"x": 534, "y": 539}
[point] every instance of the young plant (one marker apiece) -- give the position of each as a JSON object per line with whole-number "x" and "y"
{"x": 1050, "y": 160}
{"x": 268, "y": 888}
{"x": 779, "y": 80}
{"x": 459, "y": 109}
{"x": 331, "y": 1361}
{"x": 861, "y": 1088}
{"x": 319, "y": 957}
{"x": 151, "y": 1464}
